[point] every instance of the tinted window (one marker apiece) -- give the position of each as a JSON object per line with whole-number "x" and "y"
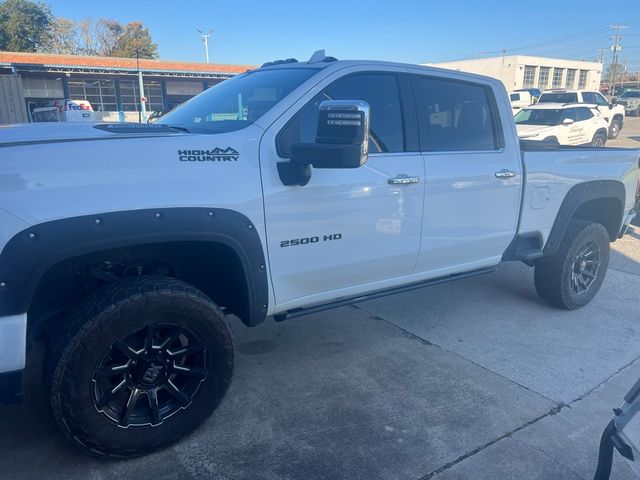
{"x": 589, "y": 97}
{"x": 454, "y": 115}
{"x": 514, "y": 97}
{"x": 560, "y": 97}
{"x": 540, "y": 116}
{"x": 583, "y": 114}
{"x": 380, "y": 91}
{"x": 568, "y": 113}
{"x": 238, "y": 102}
{"x": 600, "y": 100}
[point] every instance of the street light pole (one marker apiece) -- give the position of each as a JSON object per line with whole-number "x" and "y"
{"x": 205, "y": 40}
{"x": 142, "y": 111}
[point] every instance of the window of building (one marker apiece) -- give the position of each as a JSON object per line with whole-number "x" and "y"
{"x": 42, "y": 87}
{"x": 454, "y": 116}
{"x": 529, "y": 80}
{"x": 130, "y": 95}
{"x": 582, "y": 79}
{"x": 380, "y": 91}
{"x": 570, "y": 82}
{"x": 543, "y": 79}
{"x": 101, "y": 94}
{"x": 558, "y": 74}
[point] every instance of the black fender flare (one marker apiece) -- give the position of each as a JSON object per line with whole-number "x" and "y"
{"x": 30, "y": 253}
{"x": 578, "y": 195}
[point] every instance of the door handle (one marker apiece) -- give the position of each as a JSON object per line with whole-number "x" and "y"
{"x": 505, "y": 174}
{"x": 402, "y": 179}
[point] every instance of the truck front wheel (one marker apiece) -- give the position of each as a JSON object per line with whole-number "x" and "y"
{"x": 573, "y": 275}
{"x": 139, "y": 364}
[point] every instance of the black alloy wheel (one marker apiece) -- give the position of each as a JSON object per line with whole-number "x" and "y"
{"x": 149, "y": 375}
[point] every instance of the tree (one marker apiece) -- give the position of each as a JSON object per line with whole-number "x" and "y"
{"x": 107, "y": 32}
{"x": 24, "y": 25}
{"x": 135, "y": 40}
{"x": 62, "y": 37}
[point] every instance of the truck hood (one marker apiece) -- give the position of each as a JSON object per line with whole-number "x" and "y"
{"x": 54, "y": 132}
{"x": 525, "y": 131}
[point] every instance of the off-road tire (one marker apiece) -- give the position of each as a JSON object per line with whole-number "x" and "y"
{"x": 110, "y": 314}
{"x": 553, "y": 274}
{"x": 599, "y": 140}
{"x": 614, "y": 129}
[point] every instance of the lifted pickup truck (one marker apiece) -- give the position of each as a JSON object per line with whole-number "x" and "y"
{"x": 289, "y": 189}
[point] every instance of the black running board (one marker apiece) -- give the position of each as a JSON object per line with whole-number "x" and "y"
{"x": 299, "y": 312}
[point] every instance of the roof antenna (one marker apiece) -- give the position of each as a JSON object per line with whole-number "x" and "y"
{"x": 317, "y": 57}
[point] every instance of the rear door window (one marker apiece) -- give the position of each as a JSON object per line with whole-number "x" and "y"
{"x": 583, "y": 114}
{"x": 455, "y": 116}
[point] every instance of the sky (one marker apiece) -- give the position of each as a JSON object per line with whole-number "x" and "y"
{"x": 412, "y": 31}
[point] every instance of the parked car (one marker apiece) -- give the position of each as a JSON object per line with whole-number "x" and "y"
{"x": 534, "y": 92}
{"x": 630, "y": 100}
{"x": 287, "y": 190}
{"x": 612, "y": 113}
{"x": 64, "y": 111}
{"x": 520, "y": 100}
{"x": 563, "y": 124}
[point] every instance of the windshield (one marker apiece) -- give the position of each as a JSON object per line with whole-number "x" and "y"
{"x": 558, "y": 98}
{"x": 238, "y": 102}
{"x": 545, "y": 116}
{"x": 631, "y": 94}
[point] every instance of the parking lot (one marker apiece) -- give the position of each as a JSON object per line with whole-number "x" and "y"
{"x": 475, "y": 379}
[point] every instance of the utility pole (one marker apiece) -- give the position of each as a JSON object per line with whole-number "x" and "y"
{"x": 142, "y": 112}
{"x": 205, "y": 40}
{"x": 602, "y": 50}
{"x": 615, "y": 48}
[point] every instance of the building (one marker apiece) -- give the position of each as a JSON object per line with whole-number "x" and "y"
{"x": 111, "y": 84}
{"x": 521, "y": 71}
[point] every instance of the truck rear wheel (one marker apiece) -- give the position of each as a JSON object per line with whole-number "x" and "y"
{"x": 140, "y": 363}
{"x": 614, "y": 129}
{"x": 572, "y": 277}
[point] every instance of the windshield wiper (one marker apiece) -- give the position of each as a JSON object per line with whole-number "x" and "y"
{"x": 182, "y": 129}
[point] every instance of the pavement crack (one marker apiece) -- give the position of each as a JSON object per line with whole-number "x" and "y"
{"x": 475, "y": 451}
{"x": 602, "y": 383}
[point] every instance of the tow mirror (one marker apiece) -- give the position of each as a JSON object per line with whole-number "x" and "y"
{"x": 567, "y": 121}
{"x": 342, "y": 141}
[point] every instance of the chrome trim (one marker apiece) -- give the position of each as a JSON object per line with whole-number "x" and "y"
{"x": 403, "y": 179}
{"x": 505, "y": 174}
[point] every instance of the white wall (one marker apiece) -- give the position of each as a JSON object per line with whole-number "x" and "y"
{"x": 510, "y": 69}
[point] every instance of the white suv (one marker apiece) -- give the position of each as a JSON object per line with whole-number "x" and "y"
{"x": 563, "y": 124}
{"x": 611, "y": 112}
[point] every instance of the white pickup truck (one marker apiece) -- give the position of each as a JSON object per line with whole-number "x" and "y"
{"x": 613, "y": 113}
{"x": 292, "y": 188}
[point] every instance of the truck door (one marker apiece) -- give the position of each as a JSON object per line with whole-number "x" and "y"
{"x": 473, "y": 175}
{"x": 347, "y": 230}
